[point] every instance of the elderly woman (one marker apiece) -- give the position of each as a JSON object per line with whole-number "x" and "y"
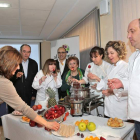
{"x": 114, "y": 107}
{"x": 74, "y": 73}
{"x": 47, "y": 77}
{"x": 10, "y": 59}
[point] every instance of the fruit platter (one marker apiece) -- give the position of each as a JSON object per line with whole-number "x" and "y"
{"x": 25, "y": 119}
{"x": 55, "y": 113}
{"x": 85, "y": 126}
{"x": 17, "y": 113}
{"x": 115, "y": 123}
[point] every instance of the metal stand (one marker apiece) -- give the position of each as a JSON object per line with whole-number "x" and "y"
{"x": 89, "y": 104}
{"x": 93, "y": 104}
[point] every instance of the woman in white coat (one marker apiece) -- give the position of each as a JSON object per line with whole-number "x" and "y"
{"x": 47, "y": 77}
{"x": 97, "y": 67}
{"x": 114, "y": 107}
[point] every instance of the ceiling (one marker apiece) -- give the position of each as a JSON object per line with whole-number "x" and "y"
{"x": 42, "y": 19}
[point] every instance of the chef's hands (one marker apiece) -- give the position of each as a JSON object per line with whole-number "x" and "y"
{"x": 54, "y": 76}
{"x": 107, "y": 92}
{"x": 94, "y": 86}
{"x": 114, "y": 83}
{"x": 70, "y": 80}
{"x": 19, "y": 74}
{"x": 42, "y": 79}
{"x": 53, "y": 125}
{"x": 93, "y": 77}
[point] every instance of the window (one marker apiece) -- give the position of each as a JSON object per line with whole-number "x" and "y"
{"x": 35, "y": 51}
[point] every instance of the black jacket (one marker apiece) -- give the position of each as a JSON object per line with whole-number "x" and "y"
{"x": 24, "y": 86}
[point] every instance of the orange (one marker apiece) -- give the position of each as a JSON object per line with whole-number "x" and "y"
{"x": 87, "y": 138}
{"x": 82, "y": 120}
{"x": 77, "y": 123}
{"x": 86, "y": 121}
{"x": 96, "y": 138}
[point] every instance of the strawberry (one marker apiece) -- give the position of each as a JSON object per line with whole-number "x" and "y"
{"x": 65, "y": 118}
{"x": 101, "y": 138}
{"x": 72, "y": 69}
{"x": 53, "y": 70}
{"x": 67, "y": 114}
{"x": 89, "y": 66}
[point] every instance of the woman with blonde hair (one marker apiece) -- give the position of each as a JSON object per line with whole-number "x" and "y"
{"x": 114, "y": 107}
{"x": 47, "y": 77}
{"x": 10, "y": 59}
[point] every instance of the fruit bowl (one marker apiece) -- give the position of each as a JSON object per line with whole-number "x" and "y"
{"x": 55, "y": 113}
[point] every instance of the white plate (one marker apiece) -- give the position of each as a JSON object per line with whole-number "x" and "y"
{"x": 124, "y": 125}
{"x": 56, "y": 134}
{"x": 23, "y": 121}
{"x": 16, "y": 114}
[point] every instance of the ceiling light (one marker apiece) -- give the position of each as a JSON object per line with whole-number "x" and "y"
{"x": 4, "y": 5}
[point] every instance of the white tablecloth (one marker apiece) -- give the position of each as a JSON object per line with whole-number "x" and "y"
{"x": 14, "y": 129}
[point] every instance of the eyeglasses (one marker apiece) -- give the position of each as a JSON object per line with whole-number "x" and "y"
{"x": 61, "y": 52}
{"x": 26, "y": 51}
{"x": 72, "y": 63}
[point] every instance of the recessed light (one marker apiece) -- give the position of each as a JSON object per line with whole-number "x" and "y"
{"x": 4, "y": 5}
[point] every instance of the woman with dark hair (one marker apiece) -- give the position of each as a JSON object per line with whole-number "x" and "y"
{"x": 10, "y": 59}
{"x": 74, "y": 73}
{"x": 97, "y": 67}
{"x": 47, "y": 77}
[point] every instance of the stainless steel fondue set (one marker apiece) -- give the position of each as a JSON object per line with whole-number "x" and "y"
{"x": 81, "y": 101}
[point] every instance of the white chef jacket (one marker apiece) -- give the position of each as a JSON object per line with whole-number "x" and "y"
{"x": 132, "y": 84}
{"x": 100, "y": 71}
{"x": 42, "y": 97}
{"x": 113, "y": 106}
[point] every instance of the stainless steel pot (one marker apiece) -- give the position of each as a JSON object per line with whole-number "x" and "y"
{"x": 76, "y": 109}
{"x": 84, "y": 92}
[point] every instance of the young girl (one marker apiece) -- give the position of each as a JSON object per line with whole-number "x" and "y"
{"x": 47, "y": 77}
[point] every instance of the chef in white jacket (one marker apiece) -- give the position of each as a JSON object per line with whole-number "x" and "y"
{"x": 131, "y": 81}
{"x": 97, "y": 67}
{"x": 114, "y": 107}
{"x": 47, "y": 77}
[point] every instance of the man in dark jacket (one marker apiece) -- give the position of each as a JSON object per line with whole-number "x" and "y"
{"x": 23, "y": 78}
{"x": 61, "y": 65}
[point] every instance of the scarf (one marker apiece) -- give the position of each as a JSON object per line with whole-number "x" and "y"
{"x": 80, "y": 78}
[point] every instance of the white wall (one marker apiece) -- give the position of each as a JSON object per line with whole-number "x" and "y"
{"x": 72, "y": 43}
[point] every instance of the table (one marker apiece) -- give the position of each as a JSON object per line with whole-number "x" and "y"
{"x": 14, "y": 129}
